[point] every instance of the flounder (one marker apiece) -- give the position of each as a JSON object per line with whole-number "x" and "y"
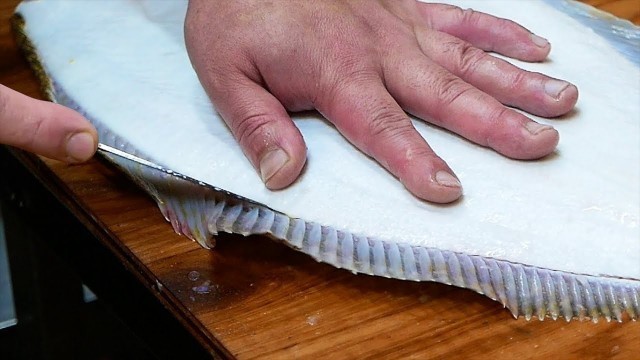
{"x": 557, "y": 237}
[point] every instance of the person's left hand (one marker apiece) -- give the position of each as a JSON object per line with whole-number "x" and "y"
{"x": 45, "y": 128}
{"x": 362, "y": 64}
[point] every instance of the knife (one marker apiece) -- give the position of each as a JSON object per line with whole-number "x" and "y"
{"x": 138, "y": 160}
{"x": 111, "y": 150}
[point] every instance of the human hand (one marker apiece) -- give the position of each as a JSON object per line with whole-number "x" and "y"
{"x": 45, "y": 128}
{"x": 360, "y": 63}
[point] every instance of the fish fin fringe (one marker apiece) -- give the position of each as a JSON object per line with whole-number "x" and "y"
{"x": 527, "y": 291}
{"x": 31, "y": 55}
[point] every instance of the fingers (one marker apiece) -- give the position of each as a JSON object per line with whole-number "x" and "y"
{"x": 264, "y": 130}
{"x": 486, "y": 32}
{"x": 45, "y": 128}
{"x": 432, "y": 93}
{"x": 533, "y": 92}
{"x": 364, "y": 112}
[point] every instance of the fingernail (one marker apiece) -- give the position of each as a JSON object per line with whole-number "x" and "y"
{"x": 539, "y": 41}
{"x": 554, "y": 88}
{"x": 271, "y": 163}
{"x": 80, "y": 147}
{"x": 534, "y": 128}
{"x": 443, "y": 178}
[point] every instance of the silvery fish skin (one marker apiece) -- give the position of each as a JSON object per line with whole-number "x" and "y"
{"x": 557, "y": 237}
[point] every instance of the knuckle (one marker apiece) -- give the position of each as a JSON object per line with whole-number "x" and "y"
{"x": 498, "y": 118}
{"x": 343, "y": 83}
{"x": 350, "y": 70}
{"x": 467, "y": 16}
{"x": 468, "y": 57}
{"x": 33, "y": 132}
{"x": 519, "y": 81}
{"x": 385, "y": 121}
{"x": 355, "y": 73}
{"x": 386, "y": 125}
{"x": 414, "y": 155}
{"x": 471, "y": 17}
{"x": 479, "y": 19}
{"x": 451, "y": 89}
{"x": 422, "y": 153}
{"x": 253, "y": 129}
{"x": 500, "y": 115}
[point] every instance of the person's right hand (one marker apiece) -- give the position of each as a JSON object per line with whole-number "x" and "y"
{"x": 45, "y": 128}
{"x": 362, "y": 64}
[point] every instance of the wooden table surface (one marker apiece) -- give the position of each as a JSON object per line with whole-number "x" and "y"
{"x": 269, "y": 301}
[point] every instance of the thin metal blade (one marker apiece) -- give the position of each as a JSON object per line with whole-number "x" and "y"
{"x": 111, "y": 150}
{"x": 125, "y": 155}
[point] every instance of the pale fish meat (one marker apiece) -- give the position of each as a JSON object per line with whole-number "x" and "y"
{"x": 558, "y": 237}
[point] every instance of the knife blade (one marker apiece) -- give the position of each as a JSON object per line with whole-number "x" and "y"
{"x": 103, "y": 148}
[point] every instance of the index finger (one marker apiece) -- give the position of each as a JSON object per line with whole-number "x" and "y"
{"x": 366, "y": 114}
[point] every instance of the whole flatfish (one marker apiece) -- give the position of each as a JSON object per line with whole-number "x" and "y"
{"x": 557, "y": 237}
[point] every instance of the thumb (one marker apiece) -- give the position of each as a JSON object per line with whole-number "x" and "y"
{"x": 45, "y": 128}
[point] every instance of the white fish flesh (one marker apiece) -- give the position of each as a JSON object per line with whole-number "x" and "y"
{"x": 558, "y": 237}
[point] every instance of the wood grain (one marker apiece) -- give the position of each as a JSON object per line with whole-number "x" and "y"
{"x": 268, "y": 301}
{"x": 626, "y": 9}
